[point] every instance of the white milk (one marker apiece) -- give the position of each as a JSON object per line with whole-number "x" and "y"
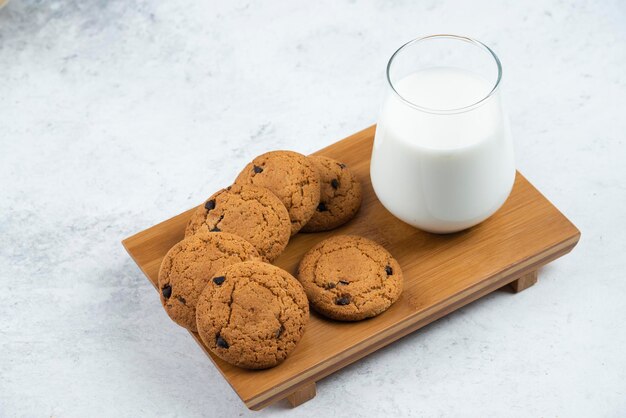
{"x": 442, "y": 172}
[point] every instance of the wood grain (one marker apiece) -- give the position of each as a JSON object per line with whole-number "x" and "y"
{"x": 442, "y": 273}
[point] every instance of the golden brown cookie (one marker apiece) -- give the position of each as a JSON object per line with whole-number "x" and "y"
{"x": 252, "y": 314}
{"x": 340, "y": 196}
{"x": 350, "y": 278}
{"x": 189, "y": 265}
{"x": 254, "y": 213}
{"x": 291, "y": 177}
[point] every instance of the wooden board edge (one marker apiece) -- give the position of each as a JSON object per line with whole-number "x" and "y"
{"x": 125, "y": 244}
{"x": 193, "y": 335}
{"x": 571, "y": 224}
{"x": 128, "y": 241}
{"x": 362, "y": 134}
{"x": 394, "y": 333}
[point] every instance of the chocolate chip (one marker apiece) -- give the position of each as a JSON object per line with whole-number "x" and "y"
{"x": 388, "y": 270}
{"x": 343, "y": 282}
{"x": 280, "y": 330}
{"x": 221, "y": 342}
{"x": 219, "y": 280}
{"x": 215, "y": 229}
{"x": 167, "y": 291}
{"x": 334, "y": 183}
{"x": 322, "y": 207}
{"x": 330, "y": 285}
{"x": 181, "y": 300}
{"x": 210, "y": 204}
{"x": 343, "y": 300}
{"x": 342, "y": 165}
{"x": 257, "y": 169}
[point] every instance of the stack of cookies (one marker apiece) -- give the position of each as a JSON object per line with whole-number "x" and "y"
{"x": 218, "y": 281}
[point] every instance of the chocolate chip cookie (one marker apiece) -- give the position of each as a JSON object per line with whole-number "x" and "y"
{"x": 291, "y": 177}
{"x": 350, "y": 278}
{"x": 189, "y": 265}
{"x": 254, "y": 213}
{"x": 340, "y": 196}
{"x": 252, "y": 314}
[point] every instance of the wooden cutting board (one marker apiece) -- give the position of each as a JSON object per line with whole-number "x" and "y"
{"x": 442, "y": 273}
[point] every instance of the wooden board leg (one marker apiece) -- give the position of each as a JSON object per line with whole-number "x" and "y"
{"x": 524, "y": 282}
{"x": 300, "y": 396}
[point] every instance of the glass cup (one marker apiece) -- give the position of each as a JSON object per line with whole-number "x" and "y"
{"x": 443, "y": 159}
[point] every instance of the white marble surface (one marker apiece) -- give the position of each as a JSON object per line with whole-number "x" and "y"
{"x": 117, "y": 114}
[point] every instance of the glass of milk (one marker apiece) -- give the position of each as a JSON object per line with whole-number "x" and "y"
{"x": 443, "y": 156}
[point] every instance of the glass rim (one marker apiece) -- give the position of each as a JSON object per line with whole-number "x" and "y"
{"x": 457, "y": 38}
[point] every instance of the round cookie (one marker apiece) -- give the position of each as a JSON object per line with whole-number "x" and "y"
{"x": 252, "y": 314}
{"x": 291, "y": 177}
{"x": 340, "y": 196}
{"x": 254, "y": 213}
{"x": 189, "y": 265}
{"x": 350, "y": 278}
